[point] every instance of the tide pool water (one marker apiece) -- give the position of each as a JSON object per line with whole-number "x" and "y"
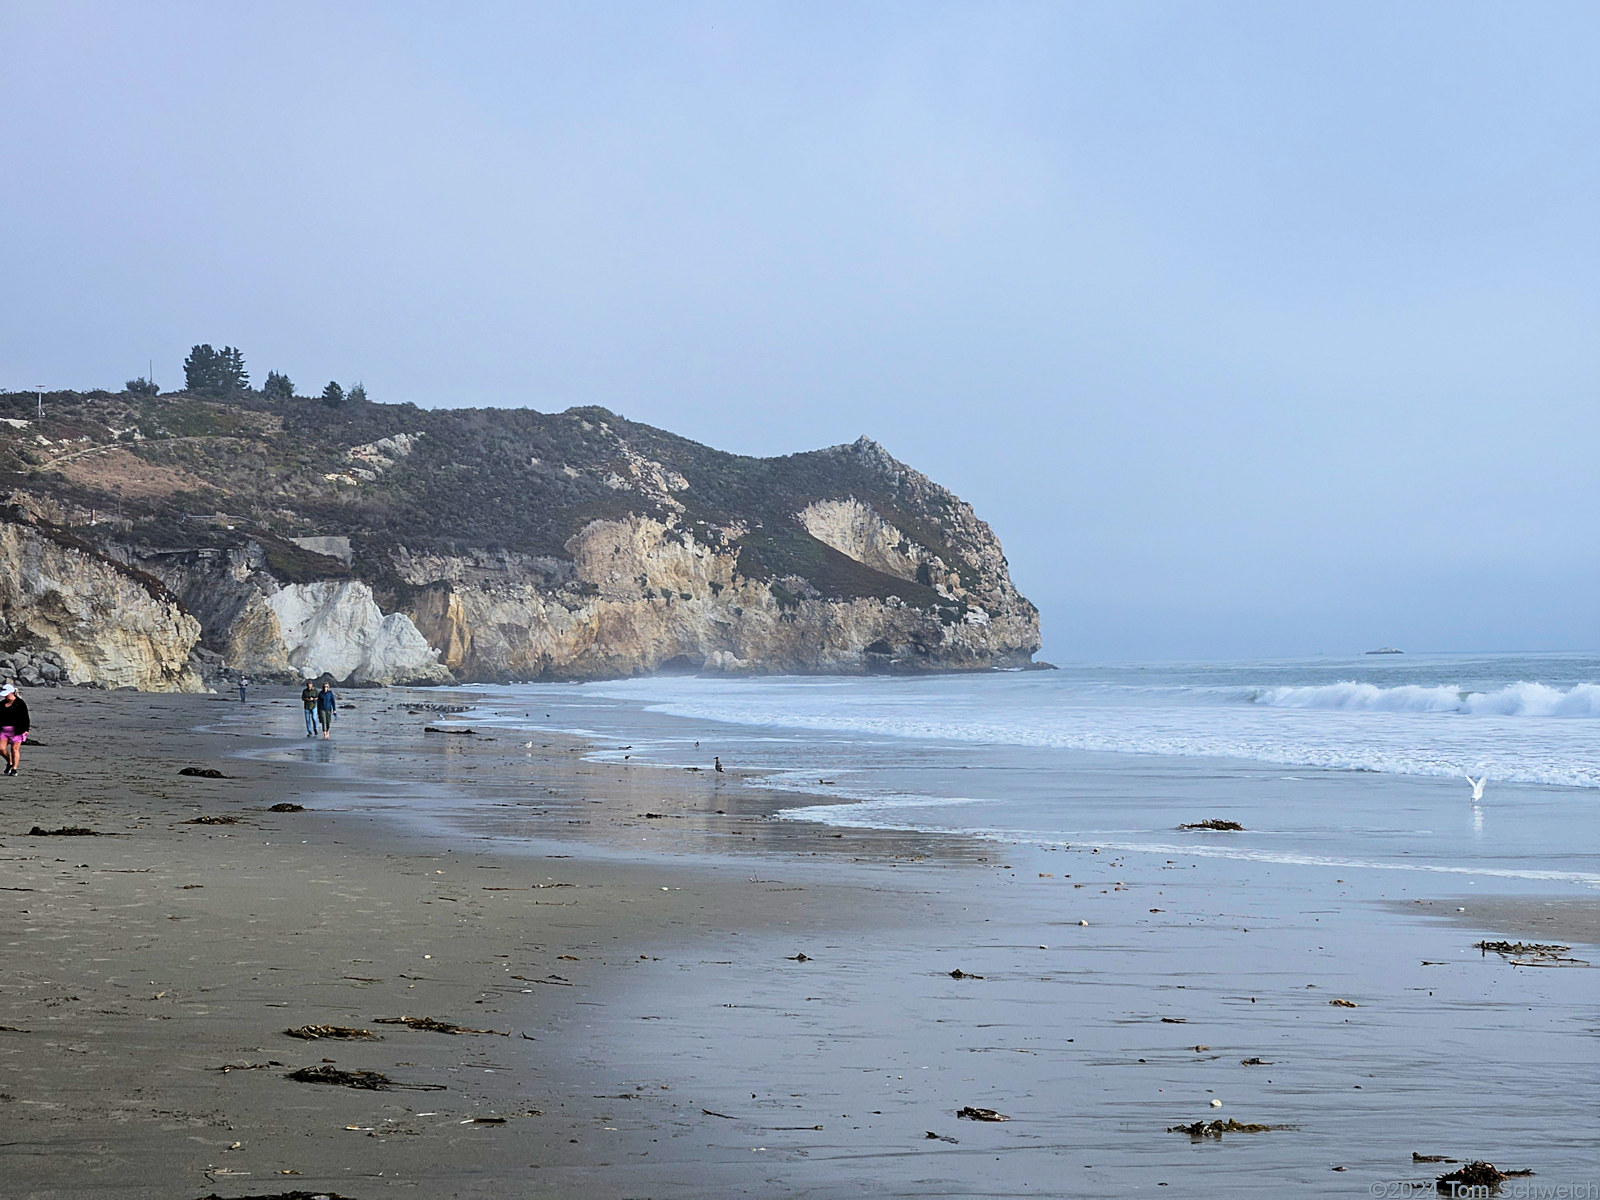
{"x": 1339, "y": 765}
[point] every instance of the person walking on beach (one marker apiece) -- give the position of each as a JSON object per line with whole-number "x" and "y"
{"x": 244, "y": 686}
{"x": 308, "y": 697}
{"x": 13, "y": 726}
{"x": 327, "y": 709}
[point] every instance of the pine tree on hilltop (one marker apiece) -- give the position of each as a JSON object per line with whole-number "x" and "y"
{"x": 357, "y": 394}
{"x": 333, "y": 394}
{"x": 278, "y": 386}
{"x": 140, "y": 387}
{"x": 202, "y": 372}
{"x": 209, "y": 372}
{"x": 233, "y": 364}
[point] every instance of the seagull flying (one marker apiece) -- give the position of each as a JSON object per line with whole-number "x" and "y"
{"x": 1477, "y": 786}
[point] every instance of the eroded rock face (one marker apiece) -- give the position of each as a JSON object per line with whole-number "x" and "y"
{"x": 857, "y": 532}
{"x": 649, "y": 595}
{"x": 335, "y": 627}
{"x": 500, "y": 545}
{"x": 639, "y": 593}
{"x": 100, "y": 620}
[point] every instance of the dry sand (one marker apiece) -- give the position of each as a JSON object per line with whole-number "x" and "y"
{"x": 656, "y": 1031}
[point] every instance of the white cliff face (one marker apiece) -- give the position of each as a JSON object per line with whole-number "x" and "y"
{"x": 336, "y": 627}
{"x": 856, "y": 531}
{"x": 107, "y": 624}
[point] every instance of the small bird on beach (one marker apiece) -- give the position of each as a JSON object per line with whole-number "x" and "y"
{"x": 1477, "y": 786}
{"x": 718, "y": 761}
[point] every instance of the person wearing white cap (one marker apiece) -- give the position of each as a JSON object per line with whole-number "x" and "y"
{"x": 13, "y": 726}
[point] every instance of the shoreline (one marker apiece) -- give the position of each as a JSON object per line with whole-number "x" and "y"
{"x": 645, "y": 968}
{"x": 212, "y": 939}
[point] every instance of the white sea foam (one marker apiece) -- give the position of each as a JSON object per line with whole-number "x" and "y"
{"x": 887, "y": 753}
{"x": 1517, "y": 700}
{"x": 1412, "y": 729}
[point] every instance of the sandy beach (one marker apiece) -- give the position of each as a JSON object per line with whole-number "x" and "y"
{"x": 678, "y": 995}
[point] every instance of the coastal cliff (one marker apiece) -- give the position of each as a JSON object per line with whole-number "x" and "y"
{"x": 81, "y": 617}
{"x": 384, "y": 544}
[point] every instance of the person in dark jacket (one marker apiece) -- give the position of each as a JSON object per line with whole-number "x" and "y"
{"x": 327, "y": 709}
{"x": 13, "y": 726}
{"x": 308, "y": 697}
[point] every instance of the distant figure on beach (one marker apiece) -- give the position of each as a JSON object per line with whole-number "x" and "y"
{"x": 718, "y": 761}
{"x": 327, "y": 709}
{"x": 1477, "y": 786}
{"x": 308, "y": 697}
{"x": 244, "y": 686}
{"x": 13, "y": 726}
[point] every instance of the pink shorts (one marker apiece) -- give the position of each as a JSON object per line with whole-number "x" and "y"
{"x": 8, "y": 735}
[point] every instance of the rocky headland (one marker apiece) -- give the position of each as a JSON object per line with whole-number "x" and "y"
{"x": 167, "y": 542}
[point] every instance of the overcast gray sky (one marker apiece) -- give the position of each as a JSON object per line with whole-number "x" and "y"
{"x": 1253, "y": 329}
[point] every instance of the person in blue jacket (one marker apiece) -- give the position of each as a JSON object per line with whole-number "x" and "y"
{"x": 327, "y": 709}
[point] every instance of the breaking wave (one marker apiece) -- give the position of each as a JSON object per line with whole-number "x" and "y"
{"x": 1515, "y": 700}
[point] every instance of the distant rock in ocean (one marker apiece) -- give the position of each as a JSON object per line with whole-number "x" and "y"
{"x": 152, "y": 542}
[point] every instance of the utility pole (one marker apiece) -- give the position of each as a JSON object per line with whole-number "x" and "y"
{"x": 40, "y": 389}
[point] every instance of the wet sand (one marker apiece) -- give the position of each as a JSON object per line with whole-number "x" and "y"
{"x": 1542, "y": 919}
{"x": 664, "y": 1035}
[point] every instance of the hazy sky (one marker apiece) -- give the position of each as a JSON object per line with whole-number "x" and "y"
{"x": 1251, "y": 328}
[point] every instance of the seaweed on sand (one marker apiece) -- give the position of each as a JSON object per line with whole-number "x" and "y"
{"x": 1215, "y": 1129}
{"x": 430, "y": 1025}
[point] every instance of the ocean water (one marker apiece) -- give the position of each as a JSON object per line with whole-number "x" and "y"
{"x": 1343, "y": 765}
{"x": 1123, "y": 971}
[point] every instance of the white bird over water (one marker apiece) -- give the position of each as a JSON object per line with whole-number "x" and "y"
{"x": 1477, "y": 786}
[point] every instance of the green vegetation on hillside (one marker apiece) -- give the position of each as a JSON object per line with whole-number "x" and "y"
{"x": 196, "y": 470}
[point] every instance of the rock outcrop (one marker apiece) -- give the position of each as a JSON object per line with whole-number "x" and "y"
{"x": 334, "y": 627}
{"x": 426, "y": 547}
{"x": 88, "y": 618}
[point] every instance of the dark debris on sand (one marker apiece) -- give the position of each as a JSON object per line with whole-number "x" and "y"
{"x": 367, "y": 1081}
{"x": 969, "y": 1113}
{"x": 311, "y": 1033}
{"x": 213, "y": 821}
{"x": 1476, "y": 1176}
{"x": 370, "y": 1081}
{"x": 1216, "y": 1129}
{"x": 1217, "y": 826}
{"x": 203, "y": 772}
{"x": 287, "y": 807}
{"x": 66, "y": 831}
{"x": 429, "y": 1025}
{"x": 1523, "y": 949}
